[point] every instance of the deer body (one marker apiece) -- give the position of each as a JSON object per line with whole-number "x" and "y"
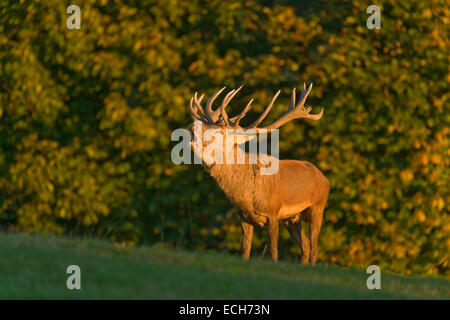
{"x": 283, "y": 195}
{"x": 297, "y": 192}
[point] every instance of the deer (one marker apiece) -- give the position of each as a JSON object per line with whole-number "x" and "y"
{"x": 296, "y": 193}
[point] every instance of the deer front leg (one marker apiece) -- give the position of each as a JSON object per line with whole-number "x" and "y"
{"x": 247, "y": 236}
{"x": 273, "y": 237}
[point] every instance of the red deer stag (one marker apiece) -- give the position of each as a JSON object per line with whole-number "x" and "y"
{"x": 298, "y": 191}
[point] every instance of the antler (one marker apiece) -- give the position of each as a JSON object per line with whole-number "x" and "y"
{"x": 294, "y": 111}
{"x": 219, "y": 116}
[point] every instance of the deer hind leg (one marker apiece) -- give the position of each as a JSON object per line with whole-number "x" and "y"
{"x": 306, "y": 247}
{"x": 247, "y": 236}
{"x": 298, "y": 234}
{"x": 314, "y": 230}
{"x": 273, "y": 237}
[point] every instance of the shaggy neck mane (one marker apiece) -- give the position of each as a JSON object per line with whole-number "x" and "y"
{"x": 230, "y": 178}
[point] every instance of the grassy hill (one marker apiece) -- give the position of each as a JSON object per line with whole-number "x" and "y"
{"x": 35, "y": 267}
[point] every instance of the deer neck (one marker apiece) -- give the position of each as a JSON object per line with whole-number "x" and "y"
{"x": 236, "y": 180}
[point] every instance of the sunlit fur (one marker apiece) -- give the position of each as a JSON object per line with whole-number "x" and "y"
{"x": 298, "y": 191}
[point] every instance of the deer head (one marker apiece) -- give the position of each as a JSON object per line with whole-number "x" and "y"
{"x": 219, "y": 119}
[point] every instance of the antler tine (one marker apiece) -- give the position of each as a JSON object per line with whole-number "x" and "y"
{"x": 194, "y": 114}
{"x": 304, "y": 95}
{"x": 299, "y": 111}
{"x": 264, "y": 114}
{"x": 314, "y": 116}
{"x": 292, "y": 105}
{"x": 235, "y": 91}
{"x": 238, "y": 118}
{"x": 213, "y": 116}
{"x": 197, "y": 103}
{"x": 225, "y": 102}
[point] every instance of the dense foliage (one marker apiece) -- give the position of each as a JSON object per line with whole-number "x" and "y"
{"x": 86, "y": 117}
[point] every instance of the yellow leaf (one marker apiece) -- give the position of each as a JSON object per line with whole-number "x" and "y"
{"x": 406, "y": 175}
{"x": 421, "y": 216}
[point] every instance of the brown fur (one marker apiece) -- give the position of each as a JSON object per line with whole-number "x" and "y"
{"x": 298, "y": 191}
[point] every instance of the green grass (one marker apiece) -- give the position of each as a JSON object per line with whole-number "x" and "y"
{"x": 34, "y": 267}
